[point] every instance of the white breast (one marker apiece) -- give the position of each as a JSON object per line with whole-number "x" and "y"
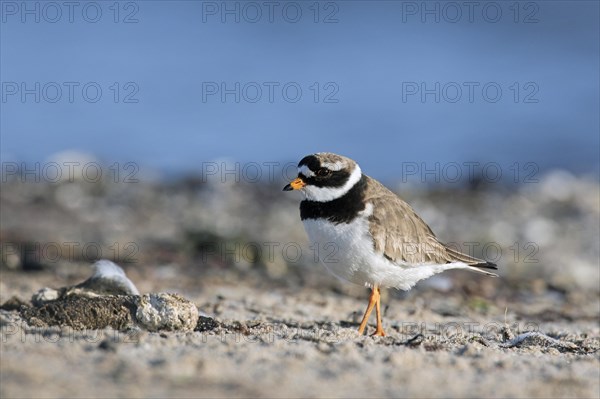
{"x": 347, "y": 251}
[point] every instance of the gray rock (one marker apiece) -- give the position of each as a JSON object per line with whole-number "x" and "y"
{"x": 109, "y": 299}
{"x": 152, "y": 312}
{"x": 166, "y": 312}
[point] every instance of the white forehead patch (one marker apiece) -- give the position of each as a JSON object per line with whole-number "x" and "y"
{"x": 335, "y": 166}
{"x": 306, "y": 171}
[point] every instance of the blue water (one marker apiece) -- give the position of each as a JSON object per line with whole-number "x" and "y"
{"x": 387, "y": 83}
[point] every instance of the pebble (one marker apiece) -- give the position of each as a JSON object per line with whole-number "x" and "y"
{"x": 165, "y": 311}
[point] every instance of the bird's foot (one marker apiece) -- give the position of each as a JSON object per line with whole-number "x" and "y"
{"x": 379, "y": 333}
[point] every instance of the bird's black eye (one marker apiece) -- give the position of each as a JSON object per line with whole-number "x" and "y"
{"x": 323, "y": 172}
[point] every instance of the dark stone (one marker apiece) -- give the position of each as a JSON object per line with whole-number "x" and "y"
{"x": 206, "y": 324}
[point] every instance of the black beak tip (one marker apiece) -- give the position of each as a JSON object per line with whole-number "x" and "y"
{"x": 288, "y": 187}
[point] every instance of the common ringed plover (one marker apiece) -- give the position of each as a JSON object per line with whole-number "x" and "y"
{"x": 380, "y": 240}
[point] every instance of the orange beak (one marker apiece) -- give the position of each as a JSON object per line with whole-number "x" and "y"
{"x": 296, "y": 184}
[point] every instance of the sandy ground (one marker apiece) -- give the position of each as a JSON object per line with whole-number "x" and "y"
{"x": 278, "y": 341}
{"x": 283, "y": 326}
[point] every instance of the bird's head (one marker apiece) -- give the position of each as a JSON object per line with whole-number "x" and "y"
{"x": 325, "y": 176}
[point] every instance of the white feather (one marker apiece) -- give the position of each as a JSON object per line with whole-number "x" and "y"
{"x": 304, "y": 170}
{"x": 324, "y": 194}
{"x": 354, "y": 258}
{"x": 109, "y": 271}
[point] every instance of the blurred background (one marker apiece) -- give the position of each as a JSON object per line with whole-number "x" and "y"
{"x": 159, "y": 134}
{"x": 172, "y": 84}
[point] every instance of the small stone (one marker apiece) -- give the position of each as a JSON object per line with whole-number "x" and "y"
{"x": 166, "y": 312}
{"x": 44, "y": 295}
{"x": 206, "y": 324}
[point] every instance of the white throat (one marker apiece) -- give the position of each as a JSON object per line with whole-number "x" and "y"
{"x": 325, "y": 194}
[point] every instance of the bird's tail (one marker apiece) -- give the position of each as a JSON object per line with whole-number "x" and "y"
{"x": 478, "y": 265}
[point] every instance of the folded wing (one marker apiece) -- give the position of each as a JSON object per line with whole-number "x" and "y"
{"x": 404, "y": 238}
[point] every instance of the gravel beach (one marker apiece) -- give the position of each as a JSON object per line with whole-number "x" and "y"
{"x": 273, "y": 323}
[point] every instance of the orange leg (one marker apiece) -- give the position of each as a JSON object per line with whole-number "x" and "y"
{"x": 379, "y": 332}
{"x": 374, "y": 301}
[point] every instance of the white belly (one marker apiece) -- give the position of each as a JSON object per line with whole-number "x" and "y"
{"x": 347, "y": 251}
